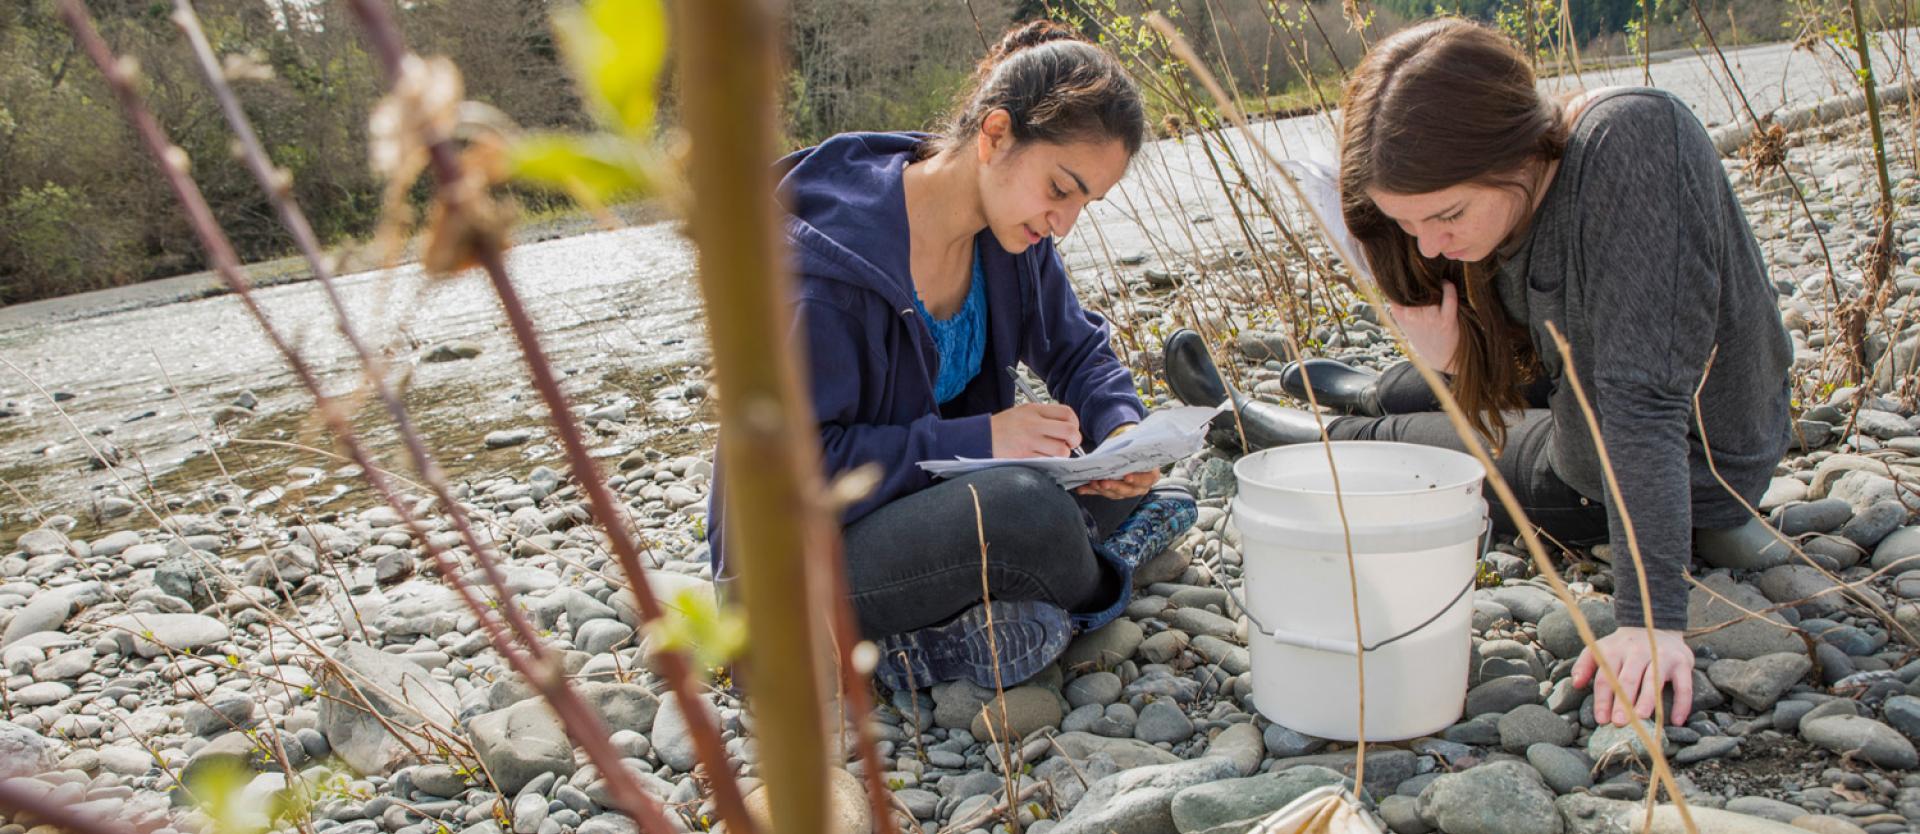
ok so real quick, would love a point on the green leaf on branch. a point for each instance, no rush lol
(593, 169)
(695, 624)
(616, 49)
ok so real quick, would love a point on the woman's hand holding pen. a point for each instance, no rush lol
(1035, 430)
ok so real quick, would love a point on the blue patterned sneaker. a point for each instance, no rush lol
(1153, 526)
(1029, 635)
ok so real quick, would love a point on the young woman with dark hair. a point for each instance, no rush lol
(926, 267)
(1487, 211)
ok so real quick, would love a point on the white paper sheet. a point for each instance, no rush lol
(1320, 183)
(1167, 435)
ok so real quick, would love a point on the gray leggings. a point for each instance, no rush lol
(916, 561)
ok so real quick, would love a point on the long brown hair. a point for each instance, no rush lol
(1434, 106)
(1056, 85)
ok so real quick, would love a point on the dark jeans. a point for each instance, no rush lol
(916, 561)
(1414, 416)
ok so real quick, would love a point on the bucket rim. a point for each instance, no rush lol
(1242, 467)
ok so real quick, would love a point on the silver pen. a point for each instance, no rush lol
(1032, 397)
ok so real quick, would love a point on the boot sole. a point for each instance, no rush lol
(1028, 634)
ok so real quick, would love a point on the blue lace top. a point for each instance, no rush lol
(961, 340)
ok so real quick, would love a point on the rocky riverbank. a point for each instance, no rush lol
(141, 658)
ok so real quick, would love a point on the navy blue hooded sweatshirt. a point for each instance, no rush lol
(871, 360)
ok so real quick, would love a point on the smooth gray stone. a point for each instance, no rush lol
(1558, 636)
(439, 780)
(223, 711)
(42, 542)
(152, 635)
(1787, 715)
(1234, 660)
(1210, 806)
(47, 611)
(1563, 769)
(1096, 688)
(24, 752)
(1386, 767)
(1711, 747)
(1502, 694)
(1450, 752)
(1402, 815)
(1872, 525)
(1527, 602)
(1835, 665)
(1487, 613)
(1760, 682)
(672, 737)
(1105, 647)
(1198, 621)
(1589, 814)
(1833, 552)
(1481, 731)
(957, 702)
(1240, 744)
(1901, 544)
(230, 751)
(1823, 516)
(400, 691)
(1127, 753)
(521, 743)
(1745, 640)
(1531, 724)
(1826, 709)
(1283, 743)
(1882, 425)
(1163, 722)
(1760, 806)
(1902, 712)
(1874, 742)
(1028, 710)
(1780, 492)
(1081, 718)
(622, 706)
(602, 635)
(1140, 801)
(1164, 647)
(1505, 797)
(1610, 744)
(1789, 583)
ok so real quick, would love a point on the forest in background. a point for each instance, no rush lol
(80, 208)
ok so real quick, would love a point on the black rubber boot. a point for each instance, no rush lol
(1190, 371)
(1267, 425)
(1194, 379)
(1335, 385)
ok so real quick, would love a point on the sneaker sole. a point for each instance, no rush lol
(1028, 634)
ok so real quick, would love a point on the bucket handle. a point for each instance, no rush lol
(1342, 646)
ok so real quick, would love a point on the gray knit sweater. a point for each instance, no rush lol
(1640, 255)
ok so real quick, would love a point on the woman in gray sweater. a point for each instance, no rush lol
(1487, 211)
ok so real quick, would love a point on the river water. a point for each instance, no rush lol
(619, 309)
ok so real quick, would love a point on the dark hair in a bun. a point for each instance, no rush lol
(1057, 87)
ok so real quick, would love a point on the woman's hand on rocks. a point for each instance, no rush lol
(1433, 330)
(1035, 430)
(1629, 651)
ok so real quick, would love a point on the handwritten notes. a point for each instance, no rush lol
(1165, 436)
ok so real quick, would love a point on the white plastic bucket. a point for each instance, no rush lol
(1416, 515)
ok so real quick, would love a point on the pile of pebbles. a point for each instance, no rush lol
(136, 660)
